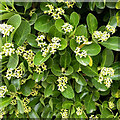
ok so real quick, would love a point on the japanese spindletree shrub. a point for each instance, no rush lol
(60, 60)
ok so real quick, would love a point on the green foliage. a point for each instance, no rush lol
(60, 60)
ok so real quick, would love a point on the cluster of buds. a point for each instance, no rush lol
(110, 29)
(105, 75)
(103, 36)
(6, 29)
(79, 52)
(55, 13)
(92, 117)
(79, 111)
(27, 108)
(82, 39)
(51, 47)
(62, 83)
(20, 50)
(67, 28)
(40, 68)
(3, 90)
(14, 102)
(70, 3)
(35, 90)
(18, 73)
(64, 113)
(29, 56)
(8, 49)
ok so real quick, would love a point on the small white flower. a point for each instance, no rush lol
(110, 28)
(3, 90)
(67, 28)
(79, 111)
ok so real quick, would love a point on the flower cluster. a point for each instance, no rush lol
(29, 56)
(51, 47)
(103, 36)
(14, 102)
(67, 28)
(82, 39)
(55, 13)
(79, 52)
(40, 68)
(79, 111)
(70, 4)
(105, 75)
(6, 29)
(64, 113)
(3, 90)
(27, 108)
(110, 29)
(20, 50)
(92, 117)
(8, 49)
(18, 73)
(35, 90)
(62, 83)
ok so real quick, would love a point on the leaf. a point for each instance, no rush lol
(99, 86)
(68, 93)
(79, 79)
(16, 83)
(22, 32)
(51, 78)
(81, 30)
(89, 104)
(53, 32)
(113, 21)
(67, 104)
(68, 71)
(91, 61)
(6, 16)
(33, 19)
(107, 58)
(89, 71)
(118, 104)
(84, 61)
(63, 44)
(112, 43)
(74, 19)
(12, 65)
(48, 90)
(58, 24)
(26, 89)
(37, 77)
(73, 44)
(65, 60)
(43, 23)
(51, 103)
(105, 113)
(118, 18)
(20, 106)
(117, 5)
(4, 102)
(39, 59)
(92, 49)
(92, 23)
(31, 40)
(33, 114)
(27, 5)
(78, 88)
(100, 4)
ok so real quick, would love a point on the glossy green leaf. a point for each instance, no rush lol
(65, 59)
(112, 43)
(33, 114)
(43, 23)
(92, 23)
(4, 102)
(107, 58)
(63, 44)
(39, 59)
(33, 19)
(59, 23)
(37, 77)
(92, 49)
(21, 33)
(81, 30)
(48, 91)
(6, 15)
(84, 61)
(79, 79)
(68, 93)
(89, 104)
(31, 40)
(74, 19)
(12, 65)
